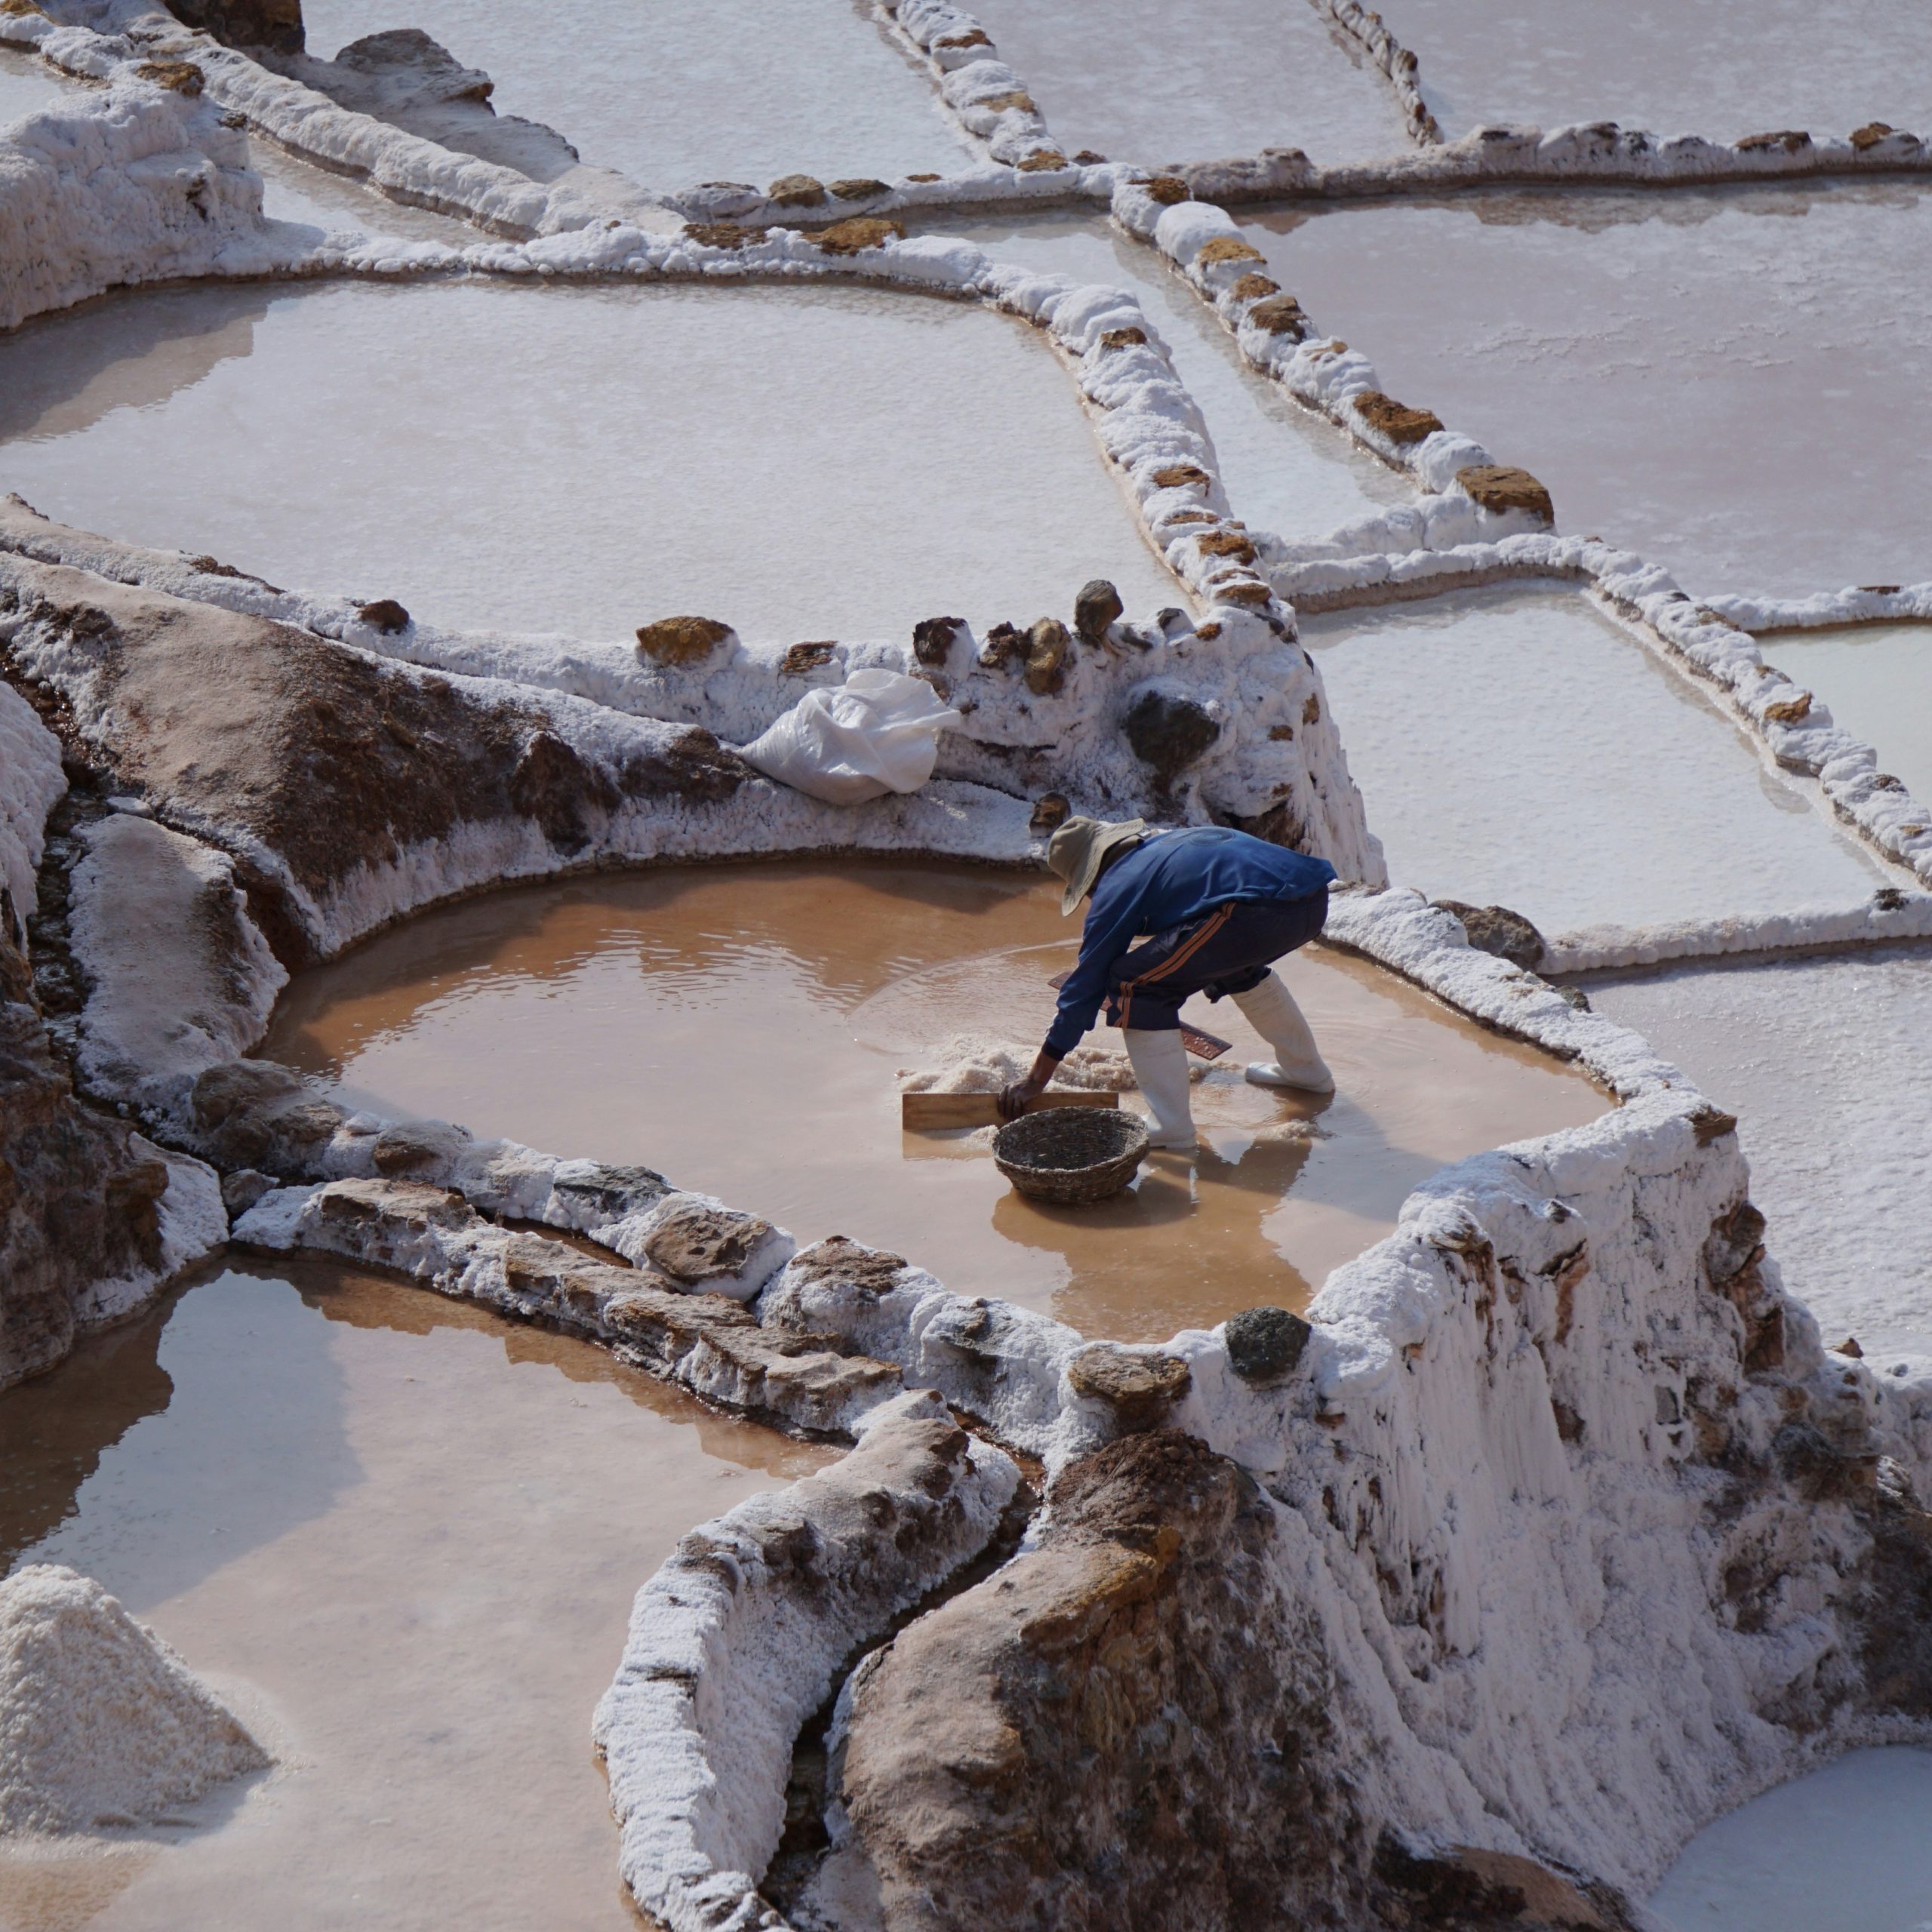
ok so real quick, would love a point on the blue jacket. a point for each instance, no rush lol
(1170, 880)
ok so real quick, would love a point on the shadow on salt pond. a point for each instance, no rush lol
(742, 1028)
(400, 1538)
(1846, 1849)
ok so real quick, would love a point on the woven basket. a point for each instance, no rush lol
(1072, 1155)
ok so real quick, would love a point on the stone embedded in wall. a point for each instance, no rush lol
(681, 640)
(1168, 731)
(1498, 487)
(1396, 420)
(1095, 610)
(934, 638)
(796, 191)
(1047, 644)
(860, 232)
(1497, 930)
(1264, 1344)
(387, 614)
(1138, 1387)
(275, 24)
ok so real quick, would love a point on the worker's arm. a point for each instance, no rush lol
(1111, 923)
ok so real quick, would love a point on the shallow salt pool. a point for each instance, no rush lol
(1519, 748)
(1732, 382)
(803, 463)
(678, 91)
(1285, 469)
(293, 190)
(1826, 1061)
(401, 1539)
(1719, 68)
(742, 1028)
(1845, 1849)
(28, 84)
(1140, 81)
(1877, 678)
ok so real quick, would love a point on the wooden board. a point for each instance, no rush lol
(927, 1113)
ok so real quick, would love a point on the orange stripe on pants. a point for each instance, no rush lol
(1179, 958)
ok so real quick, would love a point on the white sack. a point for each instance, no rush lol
(876, 732)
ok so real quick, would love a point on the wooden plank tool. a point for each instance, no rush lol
(931, 1113)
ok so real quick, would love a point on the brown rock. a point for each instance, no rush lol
(857, 188)
(1311, 710)
(681, 640)
(861, 233)
(958, 42)
(1096, 610)
(1180, 476)
(1279, 314)
(696, 1243)
(1226, 543)
(1088, 157)
(802, 658)
(1139, 1388)
(412, 1147)
(1396, 420)
(1047, 644)
(1050, 810)
(1791, 140)
(999, 103)
(796, 191)
(1226, 248)
(1871, 134)
(1496, 486)
(934, 638)
(1168, 189)
(1497, 930)
(1128, 338)
(387, 614)
(1849, 1346)
(179, 76)
(925, 177)
(19, 10)
(838, 1261)
(1006, 645)
(1791, 710)
(274, 24)
(1252, 287)
(724, 233)
(1043, 161)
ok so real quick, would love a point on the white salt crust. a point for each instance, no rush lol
(102, 1727)
(726, 1658)
(1862, 604)
(31, 780)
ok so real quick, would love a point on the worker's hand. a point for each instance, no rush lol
(1014, 1100)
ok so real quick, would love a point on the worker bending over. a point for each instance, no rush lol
(1213, 909)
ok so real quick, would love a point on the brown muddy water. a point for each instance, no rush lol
(742, 1028)
(401, 1539)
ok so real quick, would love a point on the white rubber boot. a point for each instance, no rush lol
(1272, 1013)
(1160, 1065)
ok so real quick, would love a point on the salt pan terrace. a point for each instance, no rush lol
(874, 460)
(1613, 792)
(743, 1027)
(1727, 381)
(821, 90)
(1878, 680)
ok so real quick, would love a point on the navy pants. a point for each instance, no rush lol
(1228, 950)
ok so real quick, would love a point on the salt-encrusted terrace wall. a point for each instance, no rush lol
(1862, 604)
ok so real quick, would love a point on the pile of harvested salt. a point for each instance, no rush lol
(101, 1725)
(970, 1064)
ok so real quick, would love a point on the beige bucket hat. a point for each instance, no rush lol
(1077, 849)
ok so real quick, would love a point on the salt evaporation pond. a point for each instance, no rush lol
(802, 463)
(1138, 81)
(1845, 1848)
(1285, 469)
(1731, 382)
(28, 84)
(1876, 679)
(1826, 1061)
(401, 1539)
(680, 91)
(742, 1030)
(293, 190)
(1720, 68)
(1519, 748)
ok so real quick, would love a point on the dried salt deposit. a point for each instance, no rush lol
(102, 1727)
